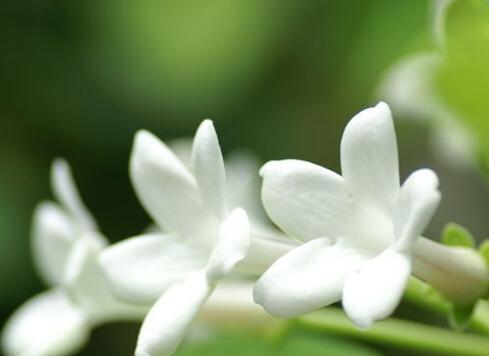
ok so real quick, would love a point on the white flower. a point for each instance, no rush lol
(203, 238)
(359, 230)
(66, 243)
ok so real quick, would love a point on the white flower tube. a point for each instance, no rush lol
(360, 231)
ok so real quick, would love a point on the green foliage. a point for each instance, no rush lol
(457, 236)
(238, 344)
(459, 317)
(463, 78)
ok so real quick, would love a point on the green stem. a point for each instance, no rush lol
(395, 332)
(423, 295)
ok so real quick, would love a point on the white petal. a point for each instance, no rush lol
(52, 238)
(369, 160)
(307, 278)
(168, 320)
(165, 187)
(374, 292)
(417, 203)
(46, 325)
(140, 269)
(88, 287)
(208, 167)
(305, 200)
(232, 245)
(65, 191)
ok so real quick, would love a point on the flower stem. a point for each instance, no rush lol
(395, 332)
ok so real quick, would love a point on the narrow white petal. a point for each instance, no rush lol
(417, 203)
(232, 245)
(47, 324)
(141, 268)
(208, 167)
(305, 200)
(307, 278)
(169, 319)
(374, 292)
(369, 160)
(64, 189)
(165, 187)
(53, 236)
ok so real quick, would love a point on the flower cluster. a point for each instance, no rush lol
(354, 237)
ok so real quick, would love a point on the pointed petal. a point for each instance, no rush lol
(64, 189)
(165, 187)
(141, 268)
(369, 160)
(168, 320)
(305, 200)
(307, 278)
(417, 203)
(47, 324)
(374, 292)
(52, 238)
(208, 167)
(232, 245)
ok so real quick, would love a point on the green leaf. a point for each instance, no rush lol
(459, 317)
(458, 236)
(241, 344)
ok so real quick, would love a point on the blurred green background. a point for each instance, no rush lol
(280, 77)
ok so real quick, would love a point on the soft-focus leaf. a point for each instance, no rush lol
(458, 236)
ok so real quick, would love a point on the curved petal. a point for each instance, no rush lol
(141, 268)
(64, 189)
(369, 161)
(305, 200)
(417, 203)
(48, 324)
(52, 239)
(307, 278)
(208, 167)
(168, 320)
(374, 292)
(166, 188)
(232, 245)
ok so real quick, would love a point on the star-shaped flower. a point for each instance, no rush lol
(66, 243)
(202, 242)
(358, 230)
